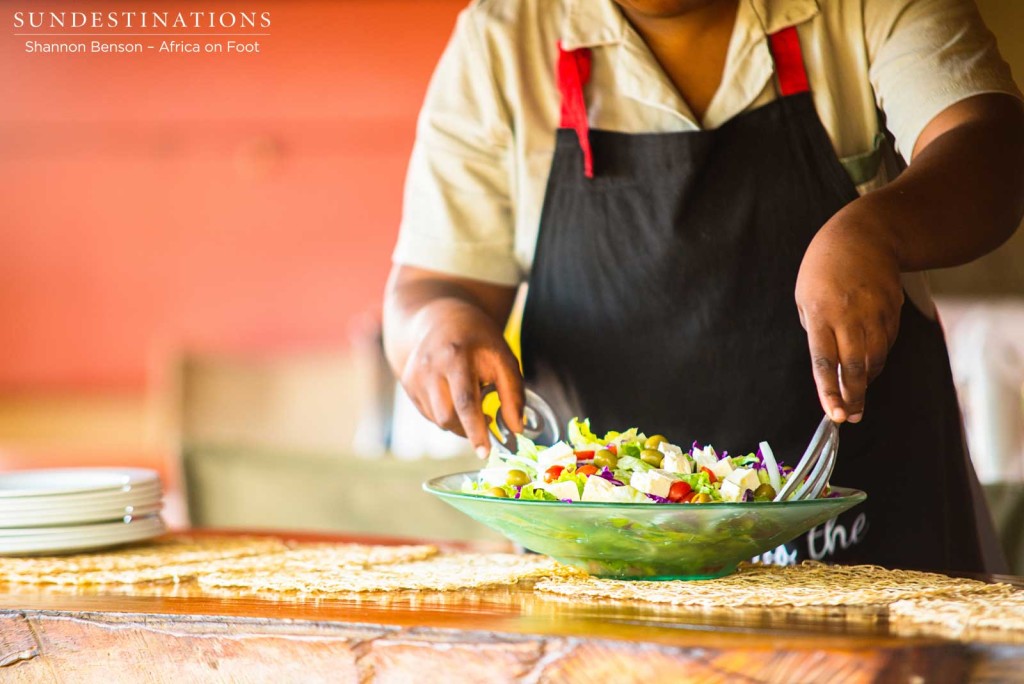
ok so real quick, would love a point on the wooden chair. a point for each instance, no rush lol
(267, 442)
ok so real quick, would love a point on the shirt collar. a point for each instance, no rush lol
(776, 15)
(589, 23)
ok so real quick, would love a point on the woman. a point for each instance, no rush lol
(666, 175)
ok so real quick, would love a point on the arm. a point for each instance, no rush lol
(443, 338)
(961, 197)
(456, 271)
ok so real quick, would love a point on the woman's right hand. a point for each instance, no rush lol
(445, 342)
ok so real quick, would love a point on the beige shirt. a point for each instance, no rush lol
(486, 133)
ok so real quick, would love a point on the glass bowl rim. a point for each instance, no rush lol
(432, 487)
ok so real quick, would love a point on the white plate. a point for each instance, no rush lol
(21, 483)
(138, 496)
(64, 516)
(121, 533)
(84, 530)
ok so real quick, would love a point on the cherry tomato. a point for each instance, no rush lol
(587, 470)
(584, 455)
(688, 498)
(678, 490)
(711, 475)
(553, 473)
(614, 449)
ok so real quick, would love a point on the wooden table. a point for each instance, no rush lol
(181, 634)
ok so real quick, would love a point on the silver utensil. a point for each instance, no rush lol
(815, 467)
(539, 422)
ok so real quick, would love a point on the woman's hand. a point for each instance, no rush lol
(461, 350)
(444, 340)
(849, 296)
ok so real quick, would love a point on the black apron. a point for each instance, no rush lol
(661, 296)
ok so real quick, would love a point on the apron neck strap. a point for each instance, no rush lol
(789, 61)
(573, 74)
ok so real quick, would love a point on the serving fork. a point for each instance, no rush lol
(811, 474)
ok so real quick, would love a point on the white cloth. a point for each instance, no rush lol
(413, 437)
(485, 137)
(986, 348)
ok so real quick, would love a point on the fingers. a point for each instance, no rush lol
(825, 365)
(509, 381)
(453, 401)
(845, 361)
(441, 409)
(877, 344)
(853, 370)
(465, 394)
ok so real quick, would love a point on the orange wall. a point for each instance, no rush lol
(243, 201)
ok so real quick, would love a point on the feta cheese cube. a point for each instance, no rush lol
(564, 490)
(739, 481)
(560, 454)
(495, 477)
(599, 489)
(656, 482)
(722, 468)
(675, 460)
(667, 448)
(706, 457)
(749, 479)
(627, 494)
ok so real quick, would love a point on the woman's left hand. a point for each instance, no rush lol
(849, 296)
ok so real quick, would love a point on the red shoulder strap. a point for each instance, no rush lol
(573, 74)
(789, 61)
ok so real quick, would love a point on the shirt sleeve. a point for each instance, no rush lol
(926, 55)
(457, 214)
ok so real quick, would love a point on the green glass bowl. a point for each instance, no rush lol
(645, 541)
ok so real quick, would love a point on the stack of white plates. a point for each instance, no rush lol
(76, 509)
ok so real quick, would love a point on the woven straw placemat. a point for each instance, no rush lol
(444, 572)
(762, 586)
(925, 602)
(958, 614)
(168, 559)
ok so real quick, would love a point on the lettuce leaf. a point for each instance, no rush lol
(580, 435)
(630, 435)
(580, 480)
(632, 464)
(531, 493)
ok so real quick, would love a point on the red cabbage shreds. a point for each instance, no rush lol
(658, 499)
(748, 495)
(566, 500)
(694, 446)
(606, 473)
(723, 455)
(519, 490)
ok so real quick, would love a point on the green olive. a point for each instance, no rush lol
(605, 459)
(517, 478)
(701, 498)
(498, 492)
(652, 457)
(764, 492)
(653, 441)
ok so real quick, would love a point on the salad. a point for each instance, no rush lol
(628, 467)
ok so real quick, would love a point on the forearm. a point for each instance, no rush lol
(962, 196)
